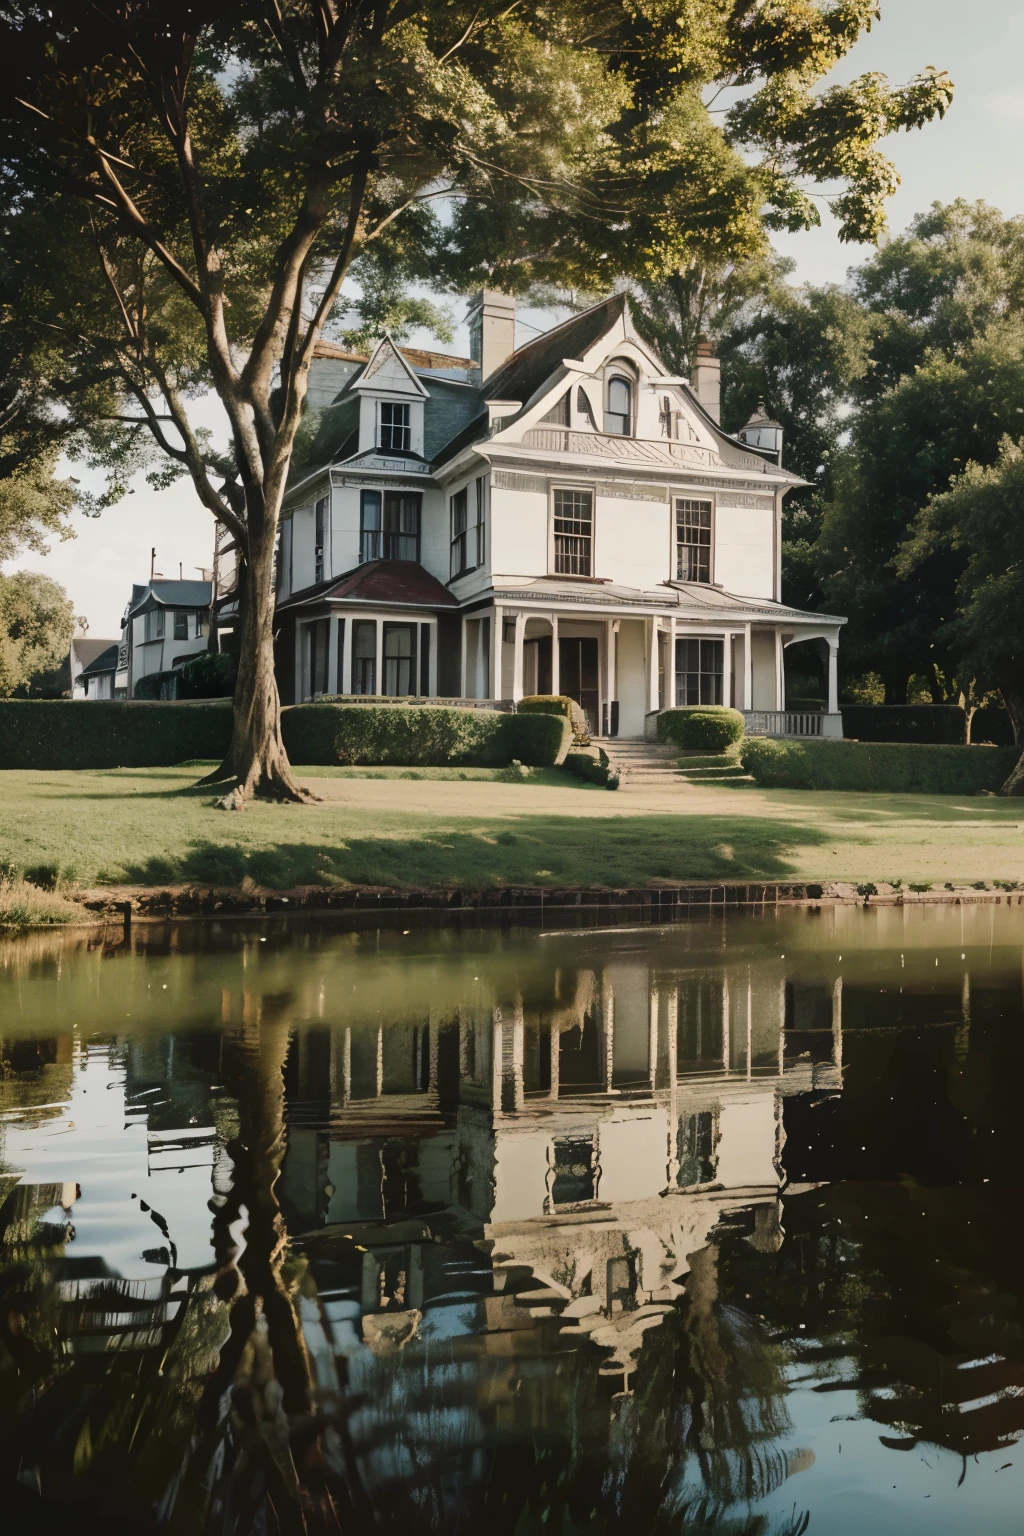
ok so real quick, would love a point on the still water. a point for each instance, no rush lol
(710, 1228)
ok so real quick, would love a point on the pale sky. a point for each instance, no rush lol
(974, 153)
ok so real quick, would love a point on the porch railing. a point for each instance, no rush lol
(782, 722)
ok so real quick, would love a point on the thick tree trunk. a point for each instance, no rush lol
(1013, 698)
(256, 758)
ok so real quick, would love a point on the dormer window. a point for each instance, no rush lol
(395, 427)
(618, 414)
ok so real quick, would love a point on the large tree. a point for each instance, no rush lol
(979, 520)
(944, 382)
(222, 165)
(37, 620)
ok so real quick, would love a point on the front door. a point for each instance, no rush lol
(578, 676)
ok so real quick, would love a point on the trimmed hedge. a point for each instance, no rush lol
(939, 724)
(422, 737)
(209, 676)
(592, 770)
(908, 768)
(701, 727)
(558, 704)
(110, 733)
(61, 733)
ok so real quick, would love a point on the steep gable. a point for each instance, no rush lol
(388, 373)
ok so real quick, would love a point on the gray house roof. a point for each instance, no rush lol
(169, 594)
(106, 661)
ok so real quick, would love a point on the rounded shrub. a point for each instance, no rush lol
(701, 727)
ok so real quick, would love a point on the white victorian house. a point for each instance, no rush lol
(561, 518)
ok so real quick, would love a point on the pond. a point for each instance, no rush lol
(713, 1227)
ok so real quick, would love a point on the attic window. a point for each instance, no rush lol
(558, 415)
(395, 427)
(618, 415)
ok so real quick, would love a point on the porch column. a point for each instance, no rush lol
(670, 666)
(497, 642)
(380, 656)
(780, 672)
(833, 676)
(748, 671)
(556, 679)
(727, 660)
(652, 669)
(463, 658)
(332, 655)
(654, 1002)
(481, 662)
(345, 680)
(517, 657)
(301, 642)
(672, 1160)
(611, 629)
(432, 664)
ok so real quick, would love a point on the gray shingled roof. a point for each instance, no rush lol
(172, 594)
(106, 661)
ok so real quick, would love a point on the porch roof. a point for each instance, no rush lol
(684, 600)
(396, 583)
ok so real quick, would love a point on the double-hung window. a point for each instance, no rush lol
(574, 533)
(181, 626)
(467, 515)
(389, 525)
(155, 624)
(699, 671)
(395, 427)
(618, 413)
(460, 531)
(319, 537)
(693, 540)
(364, 656)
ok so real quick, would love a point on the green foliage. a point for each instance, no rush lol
(701, 727)
(939, 724)
(592, 770)
(421, 735)
(209, 676)
(889, 767)
(110, 733)
(37, 621)
(979, 519)
(558, 704)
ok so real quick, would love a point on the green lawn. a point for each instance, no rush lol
(472, 827)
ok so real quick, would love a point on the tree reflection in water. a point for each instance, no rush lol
(512, 1260)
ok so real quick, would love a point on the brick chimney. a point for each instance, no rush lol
(707, 378)
(492, 330)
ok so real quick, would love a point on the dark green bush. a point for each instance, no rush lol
(422, 737)
(110, 733)
(157, 685)
(939, 724)
(60, 733)
(701, 727)
(889, 767)
(209, 676)
(558, 704)
(591, 770)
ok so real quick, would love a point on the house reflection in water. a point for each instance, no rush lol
(578, 1146)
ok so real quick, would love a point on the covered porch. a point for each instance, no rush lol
(624, 667)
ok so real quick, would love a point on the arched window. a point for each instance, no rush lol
(618, 414)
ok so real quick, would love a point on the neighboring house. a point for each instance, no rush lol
(165, 623)
(80, 659)
(561, 518)
(96, 680)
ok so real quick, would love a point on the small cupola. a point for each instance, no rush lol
(762, 432)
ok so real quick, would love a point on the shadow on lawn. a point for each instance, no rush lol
(529, 850)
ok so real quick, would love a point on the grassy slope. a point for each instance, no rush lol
(151, 826)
